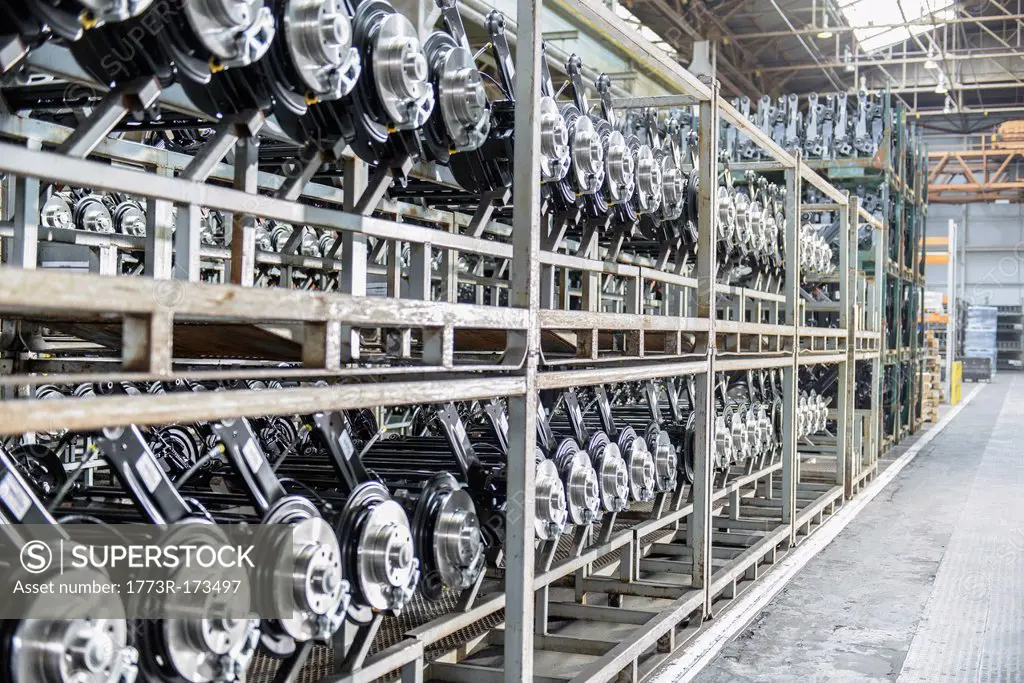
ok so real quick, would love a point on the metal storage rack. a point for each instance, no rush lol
(1010, 338)
(900, 170)
(735, 526)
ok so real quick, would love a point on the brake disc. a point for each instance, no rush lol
(551, 505)
(582, 490)
(648, 194)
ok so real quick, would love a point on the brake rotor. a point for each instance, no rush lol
(612, 473)
(582, 490)
(688, 461)
(90, 641)
(203, 642)
(42, 467)
(744, 239)
(665, 457)
(726, 223)
(318, 37)
(672, 186)
(554, 142)
(639, 463)
(460, 95)
(308, 580)
(401, 73)
(382, 563)
(90, 214)
(129, 218)
(448, 536)
(647, 197)
(56, 213)
(723, 444)
(755, 429)
(586, 152)
(79, 649)
(758, 233)
(620, 176)
(551, 506)
(235, 33)
(740, 438)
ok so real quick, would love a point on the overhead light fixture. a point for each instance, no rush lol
(823, 30)
(824, 33)
(940, 87)
(930, 63)
(849, 66)
(948, 106)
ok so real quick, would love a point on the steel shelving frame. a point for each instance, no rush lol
(905, 205)
(735, 525)
(1010, 338)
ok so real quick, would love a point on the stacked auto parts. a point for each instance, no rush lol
(833, 126)
(332, 323)
(77, 647)
(747, 421)
(613, 473)
(751, 232)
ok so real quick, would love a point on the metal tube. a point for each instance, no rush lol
(699, 528)
(525, 294)
(951, 308)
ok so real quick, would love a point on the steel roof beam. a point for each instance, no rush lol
(848, 29)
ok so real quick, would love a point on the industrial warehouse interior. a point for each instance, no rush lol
(507, 341)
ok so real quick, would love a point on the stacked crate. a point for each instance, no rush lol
(931, 378)
(980, 343)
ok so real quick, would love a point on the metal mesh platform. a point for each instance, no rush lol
(852, 614)
(392, 630)
(420, 612)
(972, 627)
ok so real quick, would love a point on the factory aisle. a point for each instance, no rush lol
(924, 585)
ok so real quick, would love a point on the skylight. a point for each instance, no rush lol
(864, 15)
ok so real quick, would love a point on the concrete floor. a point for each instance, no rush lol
(926, 584)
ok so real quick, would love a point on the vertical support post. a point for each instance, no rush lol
(147, 343)
(436, 341)
(881, 254)
(790, 376)
(394, 260)
(450, 270)
(401, 337)
(848, 222)
(352, 279)
(524, 293)
(25, 245)
(187, 242)
(591, 290)
(703, 488)
(412, 672)
(321, 345)
(108, 260)
(951, 309)
(564, 297)
(243, 226)
(158, 234)
(635, 342)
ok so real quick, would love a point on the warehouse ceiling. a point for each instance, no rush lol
(957, 65)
